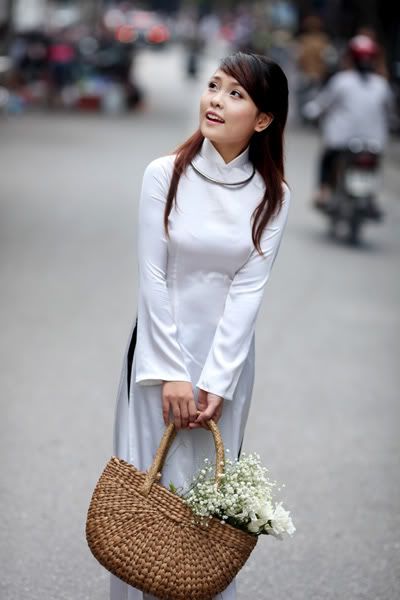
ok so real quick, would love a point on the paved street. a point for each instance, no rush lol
(325, 412)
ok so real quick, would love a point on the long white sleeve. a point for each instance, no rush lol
(159, 355)
(323, 101)
(234, 333)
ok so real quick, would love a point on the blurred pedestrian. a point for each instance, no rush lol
(194, 45)
(29, 54)
(211, 219)
(312, 47)
(313, 54)
(62, 65)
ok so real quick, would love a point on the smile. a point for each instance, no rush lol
(214, 118)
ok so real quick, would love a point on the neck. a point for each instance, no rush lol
(229, 152)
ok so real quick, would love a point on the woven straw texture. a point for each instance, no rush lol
(146, 535)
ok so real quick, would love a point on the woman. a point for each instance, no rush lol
(203, 266)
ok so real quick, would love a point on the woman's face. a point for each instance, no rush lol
(235, 116)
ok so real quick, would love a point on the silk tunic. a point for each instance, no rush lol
(199, 294)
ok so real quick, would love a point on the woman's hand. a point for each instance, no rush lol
(178, 396)
(210, 407)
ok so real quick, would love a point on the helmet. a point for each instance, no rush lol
(363, 47)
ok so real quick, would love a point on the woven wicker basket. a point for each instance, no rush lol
(146, 535)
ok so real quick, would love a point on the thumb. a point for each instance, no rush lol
(206, 414)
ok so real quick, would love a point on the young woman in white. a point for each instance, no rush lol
(211, 219)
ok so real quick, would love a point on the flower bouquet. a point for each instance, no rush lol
(242, 498)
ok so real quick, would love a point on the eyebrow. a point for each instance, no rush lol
(234, 82)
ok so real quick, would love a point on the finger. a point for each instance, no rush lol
(177, 415)
(216, 417)
(206, 415)
(184, 415)
(192, 410)
(202, 400)
(198, 425)
(218, 413)
(193, 422)
(165, 411)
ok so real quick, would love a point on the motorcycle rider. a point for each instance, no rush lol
(354, 104)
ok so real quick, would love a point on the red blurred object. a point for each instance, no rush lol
(125, 34)
(362, 46)
(367, 160)
(158, 34)
(61, 52)
(149, 27)
(89, 102)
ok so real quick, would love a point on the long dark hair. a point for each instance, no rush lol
(266, 84)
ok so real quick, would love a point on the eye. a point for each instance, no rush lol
(239, 95)
(212, 85)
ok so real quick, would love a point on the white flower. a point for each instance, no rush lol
(265, 512)
(281, 521)
(243, 496)
(255, 525)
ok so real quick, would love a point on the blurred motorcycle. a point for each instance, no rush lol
(353, 110)
(353, 200)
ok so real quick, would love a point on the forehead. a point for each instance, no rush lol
(221, 76)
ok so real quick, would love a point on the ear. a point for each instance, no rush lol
(262, 121)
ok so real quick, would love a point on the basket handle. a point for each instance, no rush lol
(154, 472)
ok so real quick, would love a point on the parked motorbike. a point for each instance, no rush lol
(354, 197)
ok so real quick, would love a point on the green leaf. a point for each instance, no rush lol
(172, 487)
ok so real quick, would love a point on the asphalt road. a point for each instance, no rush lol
(325, 411)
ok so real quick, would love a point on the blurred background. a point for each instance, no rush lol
(90, 93)
(82, 55)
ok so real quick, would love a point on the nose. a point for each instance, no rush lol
(216, 99)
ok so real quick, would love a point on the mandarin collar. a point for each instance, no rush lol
(210, 153)
(209, 161)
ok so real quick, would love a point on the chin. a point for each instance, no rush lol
(210, 134)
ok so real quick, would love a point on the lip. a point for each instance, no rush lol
(211, 112)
